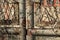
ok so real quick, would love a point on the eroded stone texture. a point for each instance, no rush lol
(45, 16)
(9, 11)
(46, 38)
(28, 13)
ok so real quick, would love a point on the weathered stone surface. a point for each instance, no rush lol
(45, 16)
(29, 13)
(45, 31)
(46, 38)
(36, 0)
(29, 37)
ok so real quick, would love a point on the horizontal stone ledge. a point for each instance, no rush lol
(10, 34)
(36, 0)
(10, 26)
(44, 31)
(46, 35)
(51, 26)
(10, 31)
(11, 2)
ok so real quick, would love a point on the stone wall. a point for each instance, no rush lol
(36, 22)
(46, 22)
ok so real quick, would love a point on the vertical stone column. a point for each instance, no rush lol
(22, 19)
(57, 13)
(29, 14)
(29, 18)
